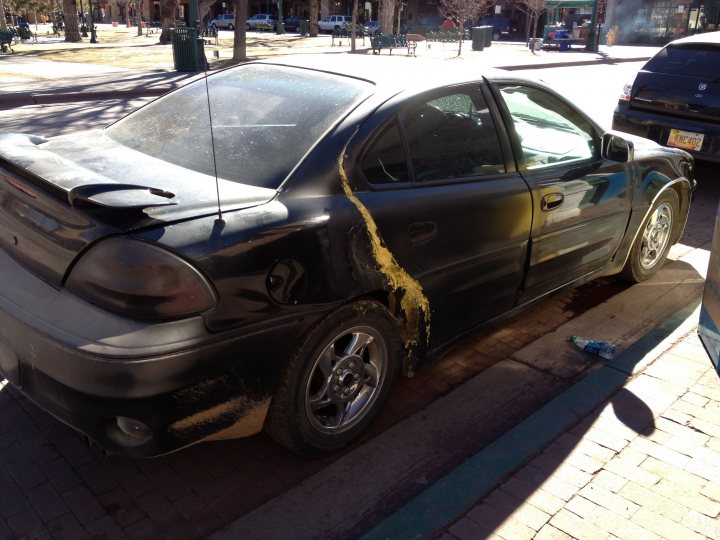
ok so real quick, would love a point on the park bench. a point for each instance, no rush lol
(346, 32)
(444, 36)
(6, 40)
(390, 42)
(24, 33)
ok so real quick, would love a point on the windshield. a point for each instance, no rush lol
(265, 119)
(692, 60)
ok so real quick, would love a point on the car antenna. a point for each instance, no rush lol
(220, 219)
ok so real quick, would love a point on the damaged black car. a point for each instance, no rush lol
(272, 246)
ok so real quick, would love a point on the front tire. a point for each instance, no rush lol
(337, 380)
(231, 27)
(653, 239)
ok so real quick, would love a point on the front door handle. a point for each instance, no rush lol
(422, 231)
(551, 201)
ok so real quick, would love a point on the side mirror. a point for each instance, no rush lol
(616, 148)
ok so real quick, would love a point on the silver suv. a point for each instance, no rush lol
(261, 21)
(334, 22)
(224, 21)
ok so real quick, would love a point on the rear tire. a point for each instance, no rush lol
(231, 27)
(654, 239)
(337, 380)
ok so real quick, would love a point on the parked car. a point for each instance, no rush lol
(503, 28)
(424, 25)
(224, 21)
(675, 97)
(292, 23)
(261, 21)
(371, 27)
(334, 22)
(158, 292)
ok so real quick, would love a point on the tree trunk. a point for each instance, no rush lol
(387, 10)
(3, 24)
(167, 14)
(354, 26)
(313, 18)
(399, 12)
(72, 30)
(240, 39)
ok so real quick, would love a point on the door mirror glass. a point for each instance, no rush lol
(617, 148)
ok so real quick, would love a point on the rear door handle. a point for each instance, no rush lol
(551, 201)
(422, 231)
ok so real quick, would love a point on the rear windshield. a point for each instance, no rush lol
(264, 120)
(692, 60)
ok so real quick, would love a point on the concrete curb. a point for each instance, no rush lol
(455, 493)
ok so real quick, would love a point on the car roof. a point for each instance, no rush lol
(388, 75)
(707, 37)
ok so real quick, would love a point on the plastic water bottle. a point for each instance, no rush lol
(598, 348)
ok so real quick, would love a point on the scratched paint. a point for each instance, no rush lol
(414, 304)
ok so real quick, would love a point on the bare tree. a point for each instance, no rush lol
(533, 9)
(70, 13)
(354, 25)
(240, 38)
(462, 11)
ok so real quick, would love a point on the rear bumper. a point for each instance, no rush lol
(657, 127)
(89, 368)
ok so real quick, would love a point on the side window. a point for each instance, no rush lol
(385, 162)
(452, 136)
(549, 131)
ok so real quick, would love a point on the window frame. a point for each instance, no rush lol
(514, 138)
(480, 89)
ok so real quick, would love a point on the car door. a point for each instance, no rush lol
(581, 203)
(450, 207)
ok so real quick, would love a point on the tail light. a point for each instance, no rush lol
(140, 280)
(626, 91)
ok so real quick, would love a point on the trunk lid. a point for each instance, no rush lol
(58, 196)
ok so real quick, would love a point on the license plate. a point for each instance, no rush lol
(685, 139)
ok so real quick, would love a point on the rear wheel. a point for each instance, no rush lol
(496, 36)
(337, 381)
(653, 239)
(231, 27)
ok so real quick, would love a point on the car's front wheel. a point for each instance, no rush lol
(247, 27)
(214, 27)
(653, 239)
(496, 36)
(337, 380)
(231, 27)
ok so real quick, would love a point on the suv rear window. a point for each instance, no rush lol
(692, 60)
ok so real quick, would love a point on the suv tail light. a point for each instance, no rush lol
(140, 280)
(626, 91)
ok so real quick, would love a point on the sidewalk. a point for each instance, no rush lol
(110, 70)
(631, 451)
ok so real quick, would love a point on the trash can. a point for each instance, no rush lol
(304, 28)
(280, 28)
(478, 38)
(535, 44)
(488, 35)
(188, 49)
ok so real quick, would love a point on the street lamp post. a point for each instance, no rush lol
(93, 35)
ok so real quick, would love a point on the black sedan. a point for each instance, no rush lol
(675, 98)
(270, 250)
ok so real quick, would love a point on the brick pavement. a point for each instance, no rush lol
(646, 464)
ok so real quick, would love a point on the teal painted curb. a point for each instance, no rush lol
(451, 496)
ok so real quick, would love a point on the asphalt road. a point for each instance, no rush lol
(51, 483)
